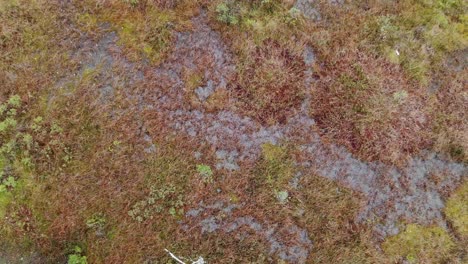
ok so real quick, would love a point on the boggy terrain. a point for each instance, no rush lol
(237, 131)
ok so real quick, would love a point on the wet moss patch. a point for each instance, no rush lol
(456, 210)
(419, 244)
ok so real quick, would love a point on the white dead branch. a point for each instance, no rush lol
(200, 260)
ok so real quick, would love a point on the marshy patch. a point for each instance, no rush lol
(238, 131)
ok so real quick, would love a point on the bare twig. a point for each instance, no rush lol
(200, 260)
(174, 257)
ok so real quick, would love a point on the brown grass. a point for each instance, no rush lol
(270, 85)
(359, 105)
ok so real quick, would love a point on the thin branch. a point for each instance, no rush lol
(200, 260)
(174, 257)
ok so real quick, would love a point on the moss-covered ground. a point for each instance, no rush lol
(91, 171)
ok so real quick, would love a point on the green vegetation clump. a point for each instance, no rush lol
(97, 221)
(419, 244)
(275, 169)
(150, 41)
(145, 32)
(419, 36)
(205, 172)
(159, 201)
(5, 199)
(226, 13)
(456, 209)
(10, 149)
(77, 257)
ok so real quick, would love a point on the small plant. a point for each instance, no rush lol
(77, 257)
(10, 182)
(96, 221)
(159, 201)
(15, 101)
(205, 172)
(293, 16)
(37, 124)
(132, 2)
(115, 145)
(282, 196)
(55, 129)
(226, 14)
(28, 140)
(400, 96)
(7, 124)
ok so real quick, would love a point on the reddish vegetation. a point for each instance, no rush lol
(355, 105)
(129, 127)
(270, 85)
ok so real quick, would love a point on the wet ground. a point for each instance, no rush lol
(414, 193)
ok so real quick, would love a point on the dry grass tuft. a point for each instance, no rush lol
(368, 106)
(270, 84)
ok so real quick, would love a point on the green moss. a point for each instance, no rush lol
(147, 35)
(419, 244)
(456, 209)
(77, 257)
(421, 34)
(226, 13)
(276, 167)
(2, 163)
(193, 80)
(7, 4)
(5, 200)
(260, 19)
(357, 82)
(88, 22)
(205, 172)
